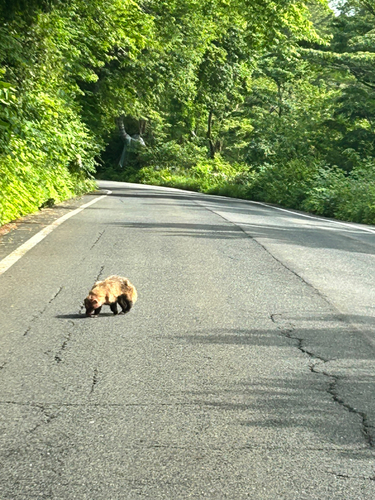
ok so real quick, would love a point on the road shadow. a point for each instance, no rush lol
(331, 401)
(309, 237)
(266, 223)
(177, 229)
(82, 316)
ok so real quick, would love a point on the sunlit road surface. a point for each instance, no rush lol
(245, 370)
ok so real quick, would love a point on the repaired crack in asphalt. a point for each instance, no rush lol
(287, 332)
(59, 354)
(97, 239)
(100, 273)
(3, 365)
(366, 427)
(42, 311)
(94, 380)
(347, 476)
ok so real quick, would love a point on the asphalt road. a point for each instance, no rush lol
(245, 370)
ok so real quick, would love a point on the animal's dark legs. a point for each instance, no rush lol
(113, 307)
(125, 304)
(97, 311)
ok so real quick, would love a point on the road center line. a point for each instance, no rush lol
(13, 257)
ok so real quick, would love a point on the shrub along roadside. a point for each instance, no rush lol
(46, 152)
(25, 191)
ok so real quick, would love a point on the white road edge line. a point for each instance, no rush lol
(13, 257)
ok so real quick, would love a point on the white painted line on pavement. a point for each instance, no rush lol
(13, 257)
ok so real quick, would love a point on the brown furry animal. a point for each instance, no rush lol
(111, 291)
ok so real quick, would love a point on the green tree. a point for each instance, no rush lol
(348, 63)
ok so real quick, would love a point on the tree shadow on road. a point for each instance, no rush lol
(266, 222)
(331, 398)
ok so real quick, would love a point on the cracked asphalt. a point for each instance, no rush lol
(244, 370)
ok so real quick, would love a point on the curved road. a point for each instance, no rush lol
(245, 370)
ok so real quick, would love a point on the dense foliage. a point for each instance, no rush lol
(262, 99)
(56, 107)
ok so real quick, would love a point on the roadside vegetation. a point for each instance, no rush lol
(265, 100)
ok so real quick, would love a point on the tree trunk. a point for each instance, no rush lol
(209, 135)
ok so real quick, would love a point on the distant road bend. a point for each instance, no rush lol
(245, 370)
